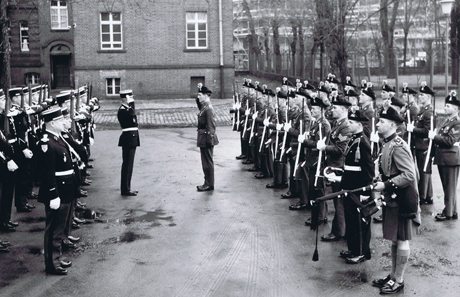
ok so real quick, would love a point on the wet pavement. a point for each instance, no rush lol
(240, 240)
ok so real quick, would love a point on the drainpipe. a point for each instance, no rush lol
(221, 52)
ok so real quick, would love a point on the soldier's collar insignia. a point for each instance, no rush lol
(45, 138)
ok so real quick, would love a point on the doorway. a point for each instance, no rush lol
(61, 71)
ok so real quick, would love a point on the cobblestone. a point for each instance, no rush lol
(162, 113)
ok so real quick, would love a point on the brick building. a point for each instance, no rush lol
(160, 49)
(41, 42)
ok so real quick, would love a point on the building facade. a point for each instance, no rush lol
(41, 40)
(159, 49)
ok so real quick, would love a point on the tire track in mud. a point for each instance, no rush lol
(226, 266)
(198, 271)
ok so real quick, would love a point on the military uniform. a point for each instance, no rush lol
(420, 143)
(206, 140)
(129, 141)
(335, 157)
(447, 157)
(401, 195)
(57, 180)
(358, 172)
(310, 165)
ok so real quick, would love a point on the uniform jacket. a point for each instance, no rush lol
(128, 119)
(358, 164)
(447, 143)
(206, 136)
(422, 126)
(54, 159)
(398, 174)
(336, 143)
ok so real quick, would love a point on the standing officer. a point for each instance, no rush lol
(57, 187)
(334, 148)
(447, 156)
(206, 138)
(129, 140)
(420, 143)
(358, 172)
(400, 193)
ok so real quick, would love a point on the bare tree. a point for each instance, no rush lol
(387, 27)
(411, 9)
(253, 40)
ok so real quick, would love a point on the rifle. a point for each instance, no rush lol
(247, 116)
(234, 102)
(320, 156)
(299, 145)
(430, 144)
(253, 120)
(283, 148)
(263, 134)
(277, 122)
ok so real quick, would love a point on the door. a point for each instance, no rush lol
(61, 71)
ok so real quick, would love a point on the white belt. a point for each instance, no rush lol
(12, 140)
(64, 173)
(352, 168)
(130, 129)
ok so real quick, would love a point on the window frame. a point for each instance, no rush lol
(113, 85)
(59, 9)
(111, 23)
(24, 26)
(33, 76)
(196, 22)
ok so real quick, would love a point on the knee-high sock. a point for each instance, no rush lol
(394, 255)
(401, 264)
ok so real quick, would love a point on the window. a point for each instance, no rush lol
(32, 78)
(59, 15)
(197, 30)
(24, 36)
(112, 86)
(111, 34)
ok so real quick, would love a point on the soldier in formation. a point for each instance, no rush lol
(45, 154)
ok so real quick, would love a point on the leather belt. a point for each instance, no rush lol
(130, 129)
(64, 173)
(351, 168)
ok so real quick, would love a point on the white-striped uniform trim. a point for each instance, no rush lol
(352, 168)
(64, 173)
(130, 129)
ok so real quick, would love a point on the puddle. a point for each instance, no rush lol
(155, 217)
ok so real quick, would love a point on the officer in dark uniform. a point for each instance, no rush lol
(311, 159)
(129, 140)
(206, 138)
(358, 172)
(399, 187)
(447, 156)
(366, 102)
(57, 187)
(420, 142)
(334, 148)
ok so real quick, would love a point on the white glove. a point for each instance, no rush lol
(278, 127)
(334, 178)
(431, 134)
(254, 116)
(234, 106)
(374, 137)
(238, 105)
(410, 127)
(266, 122)
(55, 203)
(287, 126)
(301, 138)
(91, 141)
(246, 112)
(12, 166)
(321, 144)
(27, 153)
